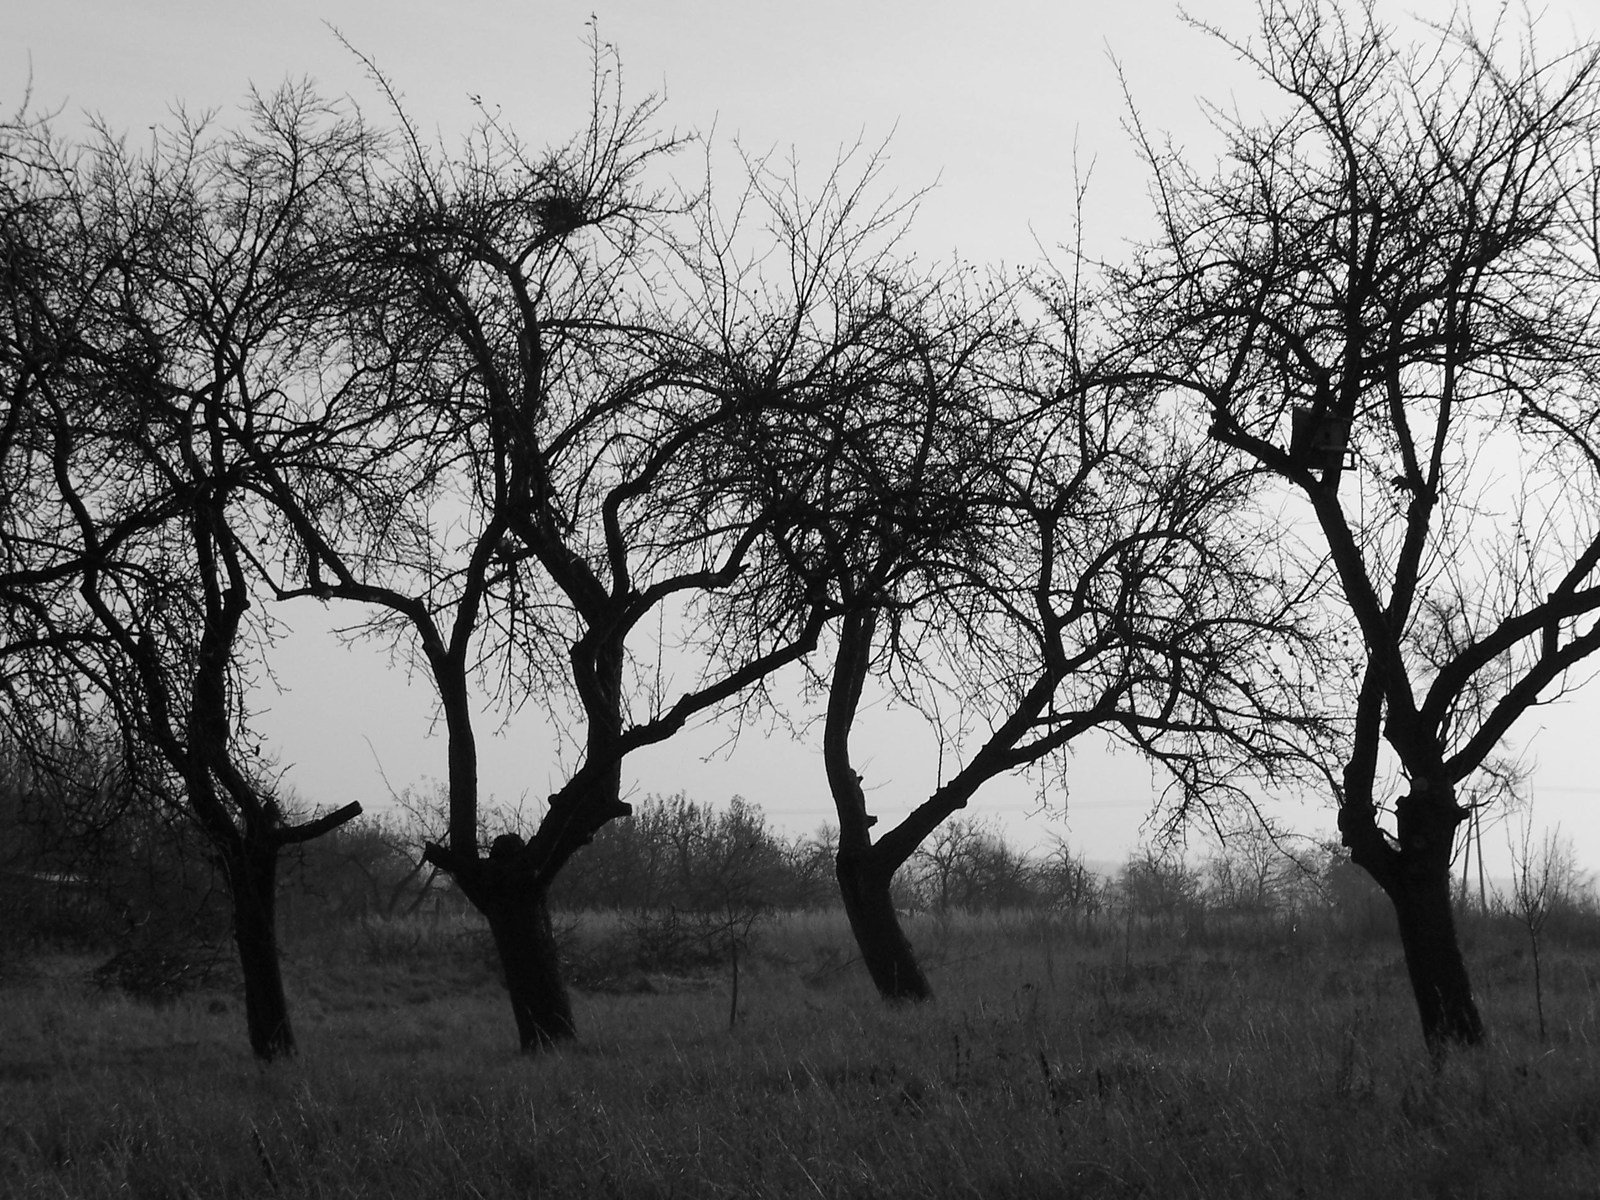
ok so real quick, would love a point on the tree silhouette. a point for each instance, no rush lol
(164, 307)
(1023, 545)
(1386, 298)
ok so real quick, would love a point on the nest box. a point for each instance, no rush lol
(1318, 440)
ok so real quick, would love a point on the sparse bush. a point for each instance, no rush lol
(87, 860)
(675, 941)
(159, 973)
(371, 867)
(674, 852)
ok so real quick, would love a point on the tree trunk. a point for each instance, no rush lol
(1413, 869)
(518, 911)
(525, 940)
(884, 947)
(1434, 961)
(253, 882)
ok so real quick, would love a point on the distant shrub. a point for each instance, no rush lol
(160, 974)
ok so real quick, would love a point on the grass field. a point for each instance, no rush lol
(1127, 1063)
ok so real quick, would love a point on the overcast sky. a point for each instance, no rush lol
(996, 104)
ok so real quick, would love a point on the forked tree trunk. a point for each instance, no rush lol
(884, 947)
(253, 881)
(525, 940)
(1434, 961)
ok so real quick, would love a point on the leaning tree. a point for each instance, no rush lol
(1386, 297)
(1018, 542)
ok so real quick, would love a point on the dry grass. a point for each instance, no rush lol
(1049, 1066)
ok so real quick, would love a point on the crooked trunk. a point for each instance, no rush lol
(252, 881)
(1434, 961)
(514, 904)
(525, 941)
(884, 947)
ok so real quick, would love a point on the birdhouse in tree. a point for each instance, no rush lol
(1317, 440)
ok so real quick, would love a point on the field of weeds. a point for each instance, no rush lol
(1058, 1060)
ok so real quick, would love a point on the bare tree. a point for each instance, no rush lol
(1386, 297)
(53, 329)
(946, 864)
(730, 871)
(1068, 882)
(811, 869)
(1254, 870)
(1157, 882)
(549, 349)
(181, 315)
(968, 864)
(1026, 548)
(1544, 878)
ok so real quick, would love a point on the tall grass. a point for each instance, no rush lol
(1056, 1061)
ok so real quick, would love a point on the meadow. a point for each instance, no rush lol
(1061, 1058)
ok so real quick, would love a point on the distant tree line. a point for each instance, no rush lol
(675, 854)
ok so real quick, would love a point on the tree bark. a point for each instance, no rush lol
(1434, 961)
(519, 920)
(884, 947)
(253, 881)
(1414, 871)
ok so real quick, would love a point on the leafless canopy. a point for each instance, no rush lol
(1388, 298)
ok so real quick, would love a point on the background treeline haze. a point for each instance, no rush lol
(83, 867)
